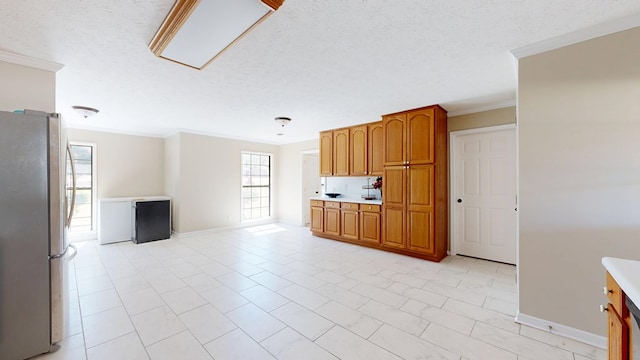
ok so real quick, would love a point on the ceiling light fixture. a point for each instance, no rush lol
(196, 32)
(282, 121)
(85, 110)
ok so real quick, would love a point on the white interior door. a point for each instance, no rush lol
(484, 196)
(310, 183)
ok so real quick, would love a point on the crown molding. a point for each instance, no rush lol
(29, 61)
(581, 35)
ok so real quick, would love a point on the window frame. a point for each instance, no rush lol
(242, 186)
(79, 235)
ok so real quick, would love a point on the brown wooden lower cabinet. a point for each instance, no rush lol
(350, 223)
(370, 224)
(317, 216)
(332, 221)
(618, 322)
(363, 224)
(393, 227)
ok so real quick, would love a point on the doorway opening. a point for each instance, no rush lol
(310, 182)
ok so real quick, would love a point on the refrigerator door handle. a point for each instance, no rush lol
(75, 252)
(61, 255)
(73, 187)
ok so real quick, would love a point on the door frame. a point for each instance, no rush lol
(453, 136)
(305, 201)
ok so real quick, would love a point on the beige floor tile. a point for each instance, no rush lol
(283, 287)
(237, 345)
(304, 321)
(127, 347)
(157, 324)
(180, 346)
(290, 345)
(206, 323)
(256, 322)
(347, 345)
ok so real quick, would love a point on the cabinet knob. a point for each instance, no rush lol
(603, 308)
(607, 291)
(459, 201)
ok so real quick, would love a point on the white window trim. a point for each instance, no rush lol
(93, 233)
(271, 185)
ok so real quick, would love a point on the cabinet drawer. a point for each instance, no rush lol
(317, 203)
(615, 295)
(349, 206)
(332, 204)
(370, 208)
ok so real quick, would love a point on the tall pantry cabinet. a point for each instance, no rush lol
(415, 182)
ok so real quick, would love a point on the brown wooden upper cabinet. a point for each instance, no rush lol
(358, 162)
(375, 147)
(409, 137)
(326, 153)
(353, 151)
(341, 152)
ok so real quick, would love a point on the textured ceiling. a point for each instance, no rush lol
(324, 63)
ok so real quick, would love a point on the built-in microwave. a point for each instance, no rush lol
(635, 329)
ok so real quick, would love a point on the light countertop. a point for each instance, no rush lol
(137, 198)
(627, 274)
(349, 199)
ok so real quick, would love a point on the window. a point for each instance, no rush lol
(256, 186)
(83, 214)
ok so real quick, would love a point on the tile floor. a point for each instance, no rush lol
(276, 292)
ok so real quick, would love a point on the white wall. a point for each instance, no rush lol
(481, 119)
(27, 88)
(172, 177)
(128, 165)
(210, 178)
(579, 131)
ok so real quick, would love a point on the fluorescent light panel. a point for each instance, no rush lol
(196, 32)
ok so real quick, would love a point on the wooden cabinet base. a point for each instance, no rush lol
(380, 247)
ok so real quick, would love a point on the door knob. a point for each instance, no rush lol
(603, 308)
(459, 201)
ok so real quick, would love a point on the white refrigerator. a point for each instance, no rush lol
(33, 217)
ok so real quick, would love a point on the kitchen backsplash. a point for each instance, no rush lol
(349, 186)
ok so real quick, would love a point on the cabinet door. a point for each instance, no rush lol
(370, 227)
(358, 164)
(341, 152)
(317, 216)
(394, 137)
(332, 221)
(420, 136)
(618, 336)
(326, 153)
(394, 186)
(394, 207)
(420, 209)
(375, 148)
(350, 224)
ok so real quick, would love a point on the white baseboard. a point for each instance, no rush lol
(562, 330)
(224, 228)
